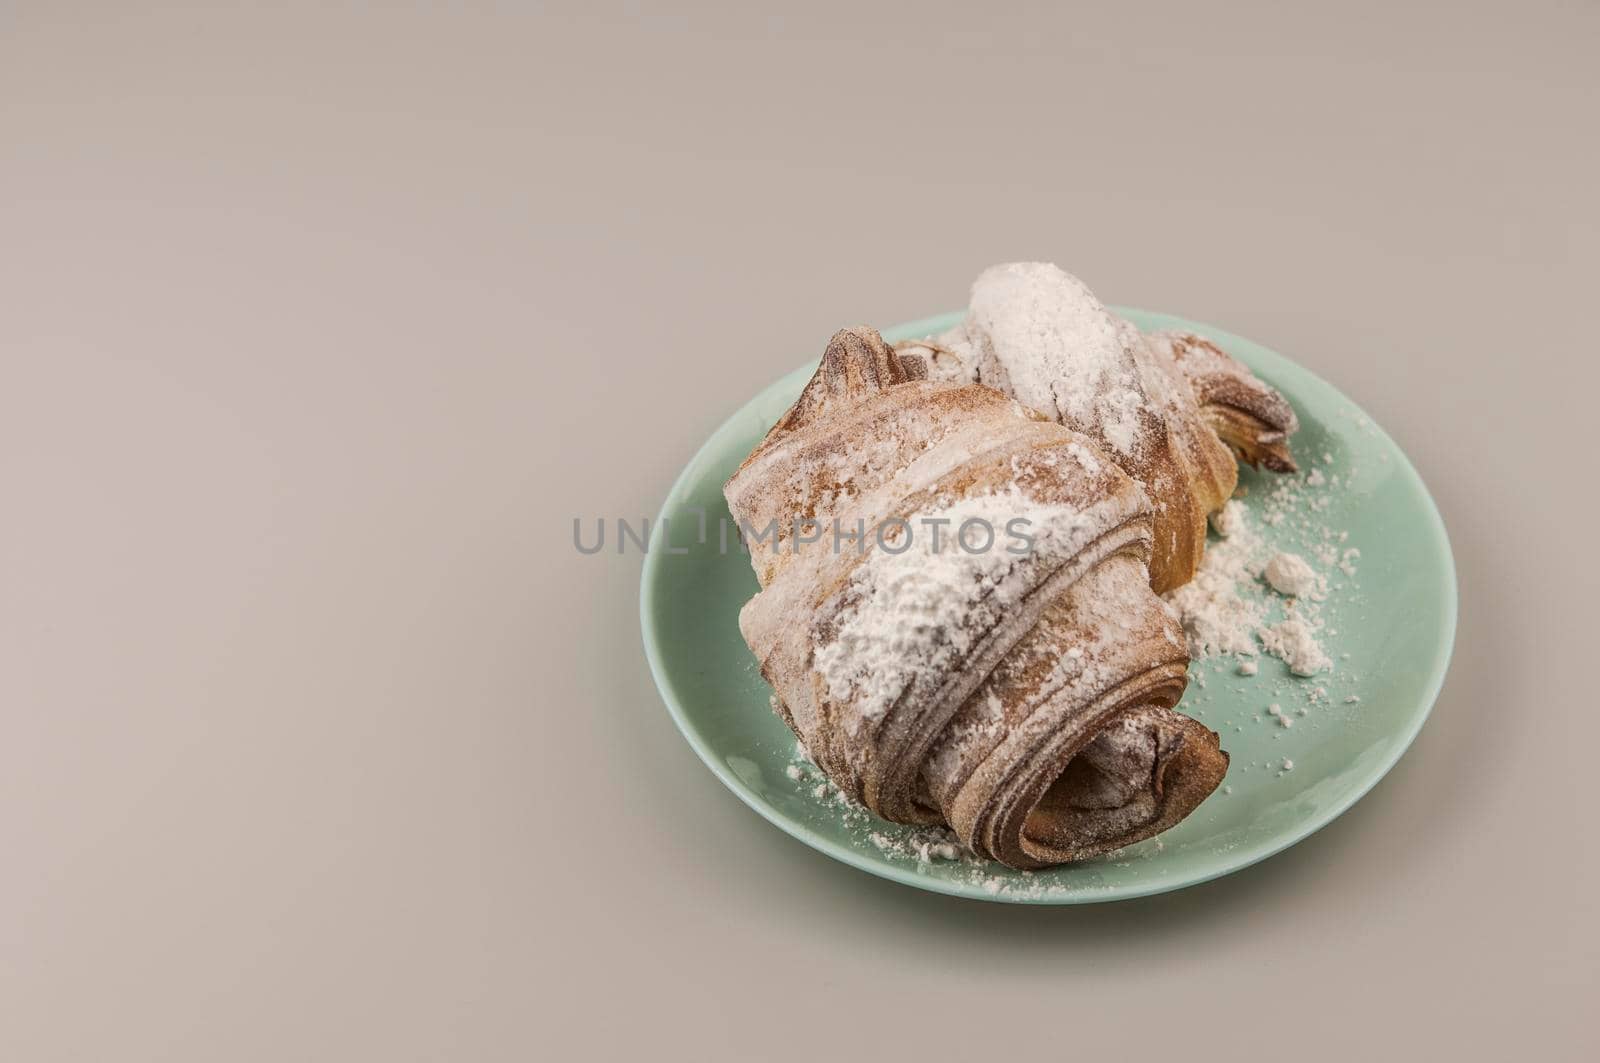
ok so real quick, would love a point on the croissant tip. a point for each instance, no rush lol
(859, 362)
(865, 333)
(856, 364)
(1277, 459)
(1275, 456)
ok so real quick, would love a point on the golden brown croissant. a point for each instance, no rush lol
(987, 652)
(1171, 410)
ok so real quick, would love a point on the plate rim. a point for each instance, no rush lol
(1234, 862)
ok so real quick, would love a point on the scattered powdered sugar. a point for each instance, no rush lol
(1294, 641)
(1290, 574)
(1229, 519)
(922, 844)
(1216, 616)
(1225, 610)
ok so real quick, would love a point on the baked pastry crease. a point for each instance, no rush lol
(1172, 410)
(986, 650)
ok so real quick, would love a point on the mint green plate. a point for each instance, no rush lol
(1389, 629)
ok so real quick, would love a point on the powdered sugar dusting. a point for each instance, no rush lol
(919, 611)
(1086, 458)
(1038, 333)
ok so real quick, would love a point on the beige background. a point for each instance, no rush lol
(320, 325)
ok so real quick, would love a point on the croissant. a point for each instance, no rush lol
(1249, 416)
(1172, 410)
(1015, 679)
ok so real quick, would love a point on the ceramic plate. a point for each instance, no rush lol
(1389, 624)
